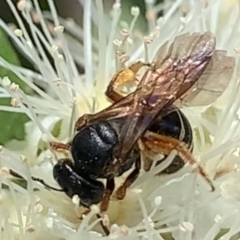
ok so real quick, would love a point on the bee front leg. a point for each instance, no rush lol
(60, 147)
(110, 185)
(123, 76)
(121, 191)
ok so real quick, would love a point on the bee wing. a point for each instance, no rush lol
(174, 71)
(212, 82)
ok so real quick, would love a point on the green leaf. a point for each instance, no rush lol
(224, 231)
(20, 182)
(12, 124)
(57, 129)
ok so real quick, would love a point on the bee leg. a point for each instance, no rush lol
(110, 185)
(60, 147)
(125, 75)
(105, 229)
(121, 191)
(147, 162)
(156, 143)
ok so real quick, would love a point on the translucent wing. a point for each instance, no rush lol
(213, 81)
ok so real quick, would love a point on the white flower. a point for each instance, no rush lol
(180, 205)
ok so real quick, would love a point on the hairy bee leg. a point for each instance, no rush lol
(121, 191)
(157, 143)
(110, 185)
(123, 76)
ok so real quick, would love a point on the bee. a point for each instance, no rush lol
(189, 71)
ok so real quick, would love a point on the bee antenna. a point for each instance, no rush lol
(15, 174)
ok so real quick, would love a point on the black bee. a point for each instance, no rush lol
(188, 71)
(92, 149)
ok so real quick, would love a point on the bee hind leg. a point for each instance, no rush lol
(157, 143)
